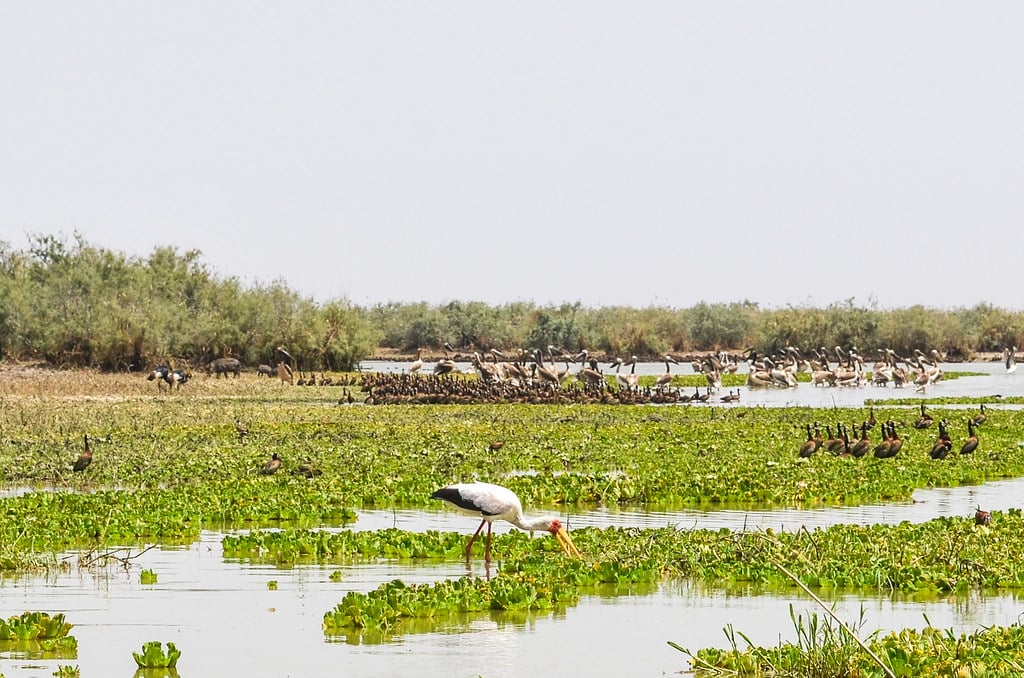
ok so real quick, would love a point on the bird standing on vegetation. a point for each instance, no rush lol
(971, 444)
(272, 465)
(982, 517)
(496, 445)
(925, 420)
(85, 458)
(666, 379)
(863, 444)
(810, 445)
(241, 429)
(494, 502)
(884, 447)
(942, 445)
(980, 418)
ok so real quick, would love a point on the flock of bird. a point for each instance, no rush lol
(393, 389)
(890, 443)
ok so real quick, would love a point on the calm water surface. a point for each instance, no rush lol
(226, 621)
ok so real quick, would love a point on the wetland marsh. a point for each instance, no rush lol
(643, 488)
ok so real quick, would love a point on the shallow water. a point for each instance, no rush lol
(925, 504)
(226, 621)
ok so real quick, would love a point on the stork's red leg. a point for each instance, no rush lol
(469, 546)
(487, 550)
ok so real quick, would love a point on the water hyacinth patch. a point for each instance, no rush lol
(939, 557)
(34, 626)
(154, 657)
(39, 635)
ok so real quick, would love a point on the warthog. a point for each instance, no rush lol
(265, 371)
(223, 366)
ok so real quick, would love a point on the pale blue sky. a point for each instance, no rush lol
(612, 153)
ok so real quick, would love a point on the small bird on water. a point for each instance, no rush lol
(85, 458)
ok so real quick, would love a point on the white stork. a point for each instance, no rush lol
(494, 502)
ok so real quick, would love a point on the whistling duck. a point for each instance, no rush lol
(981, 417)
(272, 465)
(85, 458)
(925, 420)
(971, 444)
(810, 445)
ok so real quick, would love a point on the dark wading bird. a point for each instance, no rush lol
(982, 517)
(85, 458)
(971, 444)
(272, 465)
(494, 502)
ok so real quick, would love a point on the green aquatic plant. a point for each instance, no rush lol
(153, 656)
(147, 577)
(941, 556)
(34, 626)
(389, 605)
(65, 672)
(821, 649)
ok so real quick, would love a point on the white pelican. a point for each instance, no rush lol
(417, 364)
(494, 502)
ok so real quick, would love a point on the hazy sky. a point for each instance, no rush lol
(623, 153)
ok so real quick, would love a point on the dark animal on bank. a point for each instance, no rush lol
(224, 366)
(85, 458)
(265, 371)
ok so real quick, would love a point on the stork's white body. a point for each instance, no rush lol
(491, 502)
